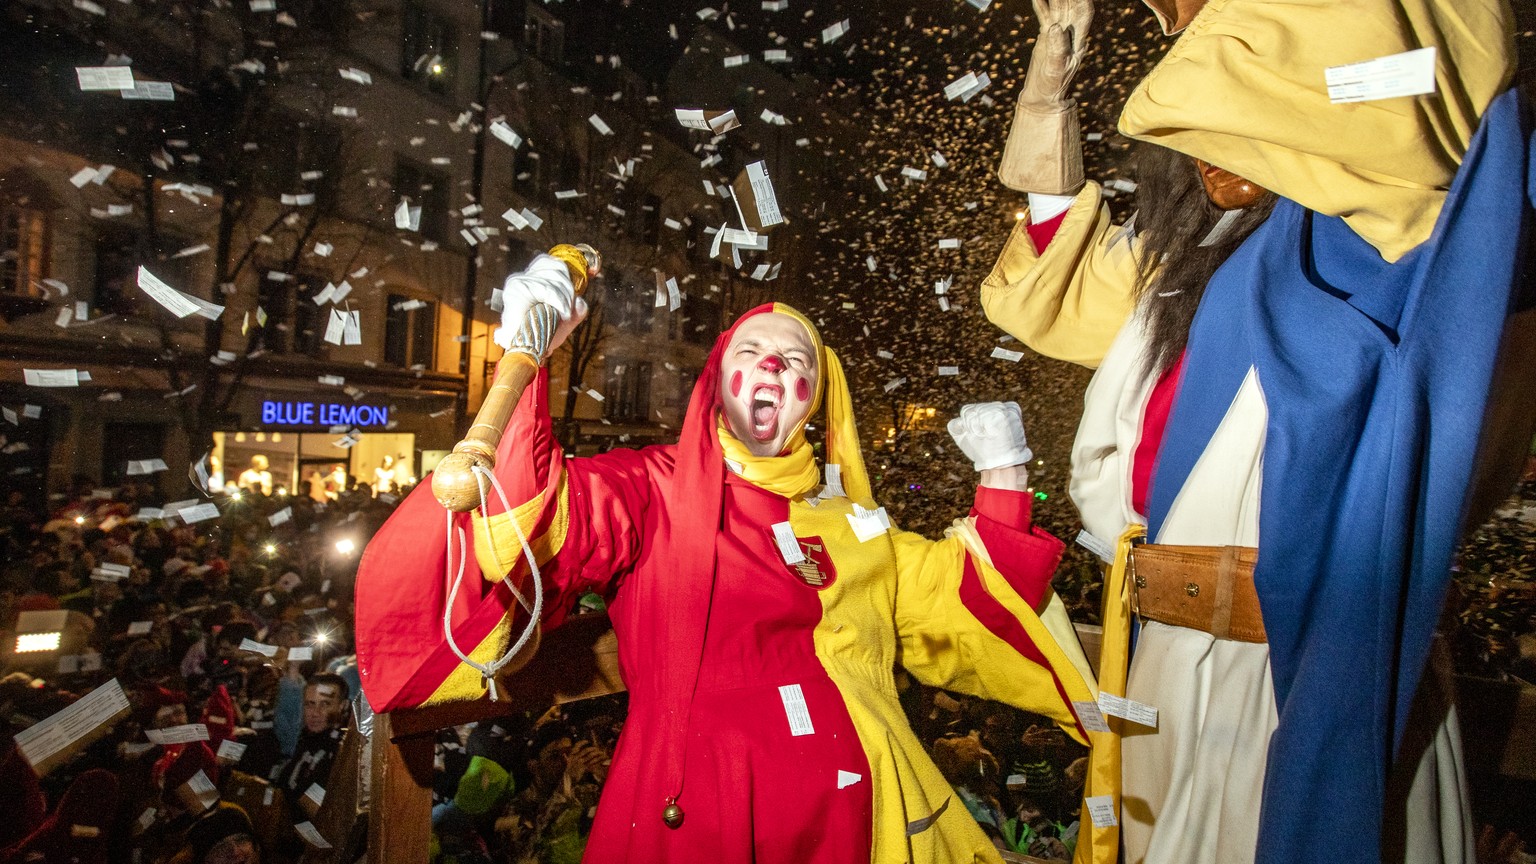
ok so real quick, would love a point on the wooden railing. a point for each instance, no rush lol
(577, 660)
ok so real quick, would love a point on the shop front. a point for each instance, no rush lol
(319, 447)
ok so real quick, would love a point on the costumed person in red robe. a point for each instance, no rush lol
(760, 607)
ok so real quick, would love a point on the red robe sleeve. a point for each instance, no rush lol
(578, 515)
(1025, 555)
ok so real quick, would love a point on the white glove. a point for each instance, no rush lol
(991, 434)
(547, 280)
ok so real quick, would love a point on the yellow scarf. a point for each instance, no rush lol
(794, 472)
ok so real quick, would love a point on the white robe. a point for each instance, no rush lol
(1192, 788)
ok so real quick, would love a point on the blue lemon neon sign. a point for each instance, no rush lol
(274, 413)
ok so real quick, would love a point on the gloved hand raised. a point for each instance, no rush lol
(1058, 51)
(991, 434)
(547, 280)
(1043, 154)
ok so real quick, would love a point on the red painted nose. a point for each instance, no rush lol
(772, 364)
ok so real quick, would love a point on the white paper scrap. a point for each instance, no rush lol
(334, 326)
(183, 734)
(505, 134)
(200, 513)
(1411, 73)
(49, 736)
(833, 481)
(174, 301)
(315, 793)
(1089, 715)
(252, 645)
(231, 750)
(280, 517)
(960, 86)
(835, 32)
(1222, 228)
(795, 709)
(104, 77)
(51, 377)
(301, 654)
(1101, 809)
(789, 546)
(311, 835)
(949, 243)
(847, 778)
(598, 124)
(1128, 709)
(868, 524)
(762, 191)
(153, 91)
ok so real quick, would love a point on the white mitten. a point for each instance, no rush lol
(547, 280)
(991, 434)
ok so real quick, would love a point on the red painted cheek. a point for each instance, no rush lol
(803, 390)
(736, 383)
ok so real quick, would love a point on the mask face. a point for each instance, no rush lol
(1175, 15)
(1225, 189)
(767, 381)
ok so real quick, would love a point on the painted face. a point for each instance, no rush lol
(1225, 189)
(768, 378)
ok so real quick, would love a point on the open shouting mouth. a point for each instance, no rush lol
(767, 401)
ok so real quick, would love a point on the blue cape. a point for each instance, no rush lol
(1376, 377)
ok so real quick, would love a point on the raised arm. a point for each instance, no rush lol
(974, 611)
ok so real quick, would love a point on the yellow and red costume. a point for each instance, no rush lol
(721, 641)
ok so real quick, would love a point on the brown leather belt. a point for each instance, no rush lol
(1208, 588)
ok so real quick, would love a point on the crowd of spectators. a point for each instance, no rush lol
(231, 639)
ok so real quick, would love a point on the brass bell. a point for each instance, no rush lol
(673, 815)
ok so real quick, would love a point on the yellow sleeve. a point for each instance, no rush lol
(961, 626)
(1069, 301)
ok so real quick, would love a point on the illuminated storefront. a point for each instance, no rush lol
(316, 447)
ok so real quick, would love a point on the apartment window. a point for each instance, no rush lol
(698, 242)
(570, 171)
(274, 298)
(633, 308)
(627, 392)
(117, 262)
(650, 220)
(697, 321)
(526, 171)
(309, 320)
(23, 241)
(428, 47)
(428, 190)
(544, 35)
(410, 331)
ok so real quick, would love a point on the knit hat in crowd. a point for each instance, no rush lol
(482, 786)
(224, 821)
(77, 831)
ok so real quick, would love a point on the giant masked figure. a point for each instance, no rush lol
(1295, 346)
(761, 602)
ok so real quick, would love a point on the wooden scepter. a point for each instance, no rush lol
(454, 483)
